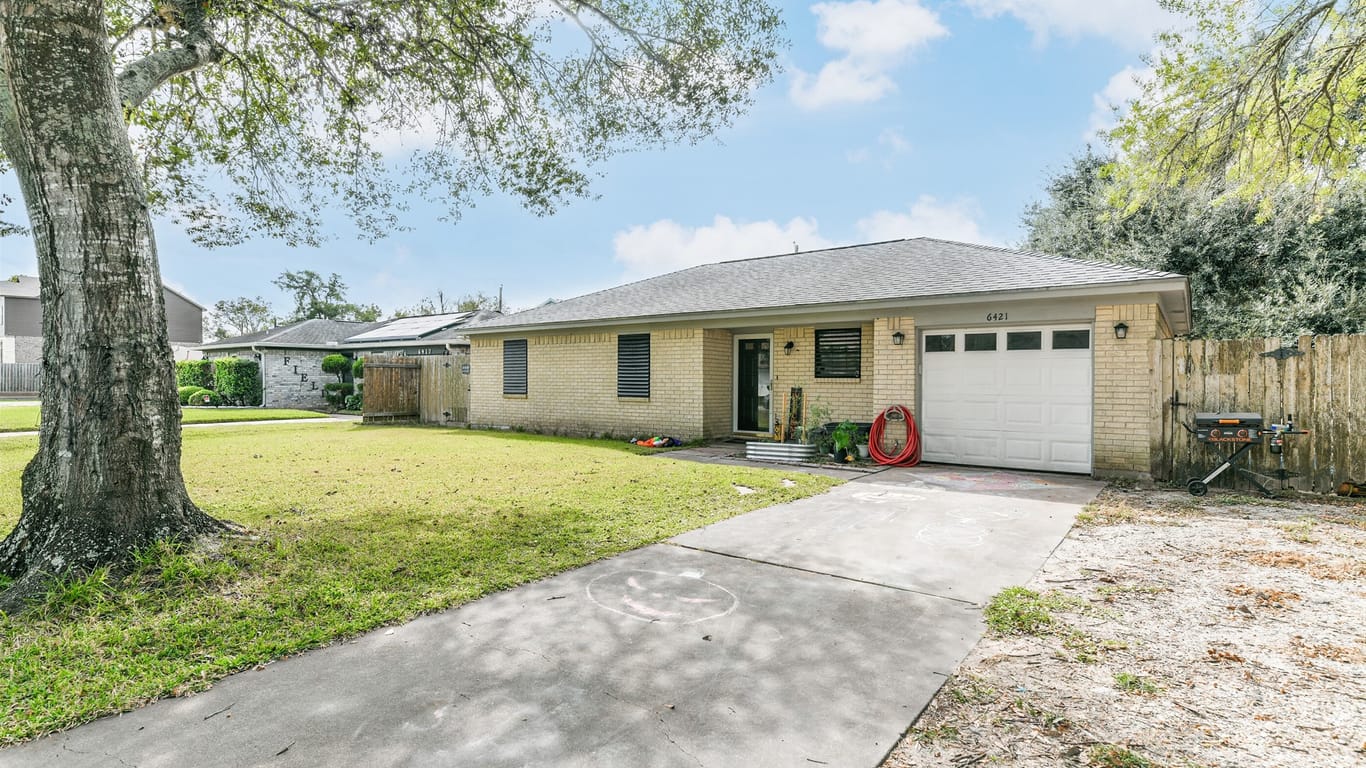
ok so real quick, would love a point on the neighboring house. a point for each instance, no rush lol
(1007, 358)
(21, 321)
(291, 355)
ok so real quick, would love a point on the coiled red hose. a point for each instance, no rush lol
(910, 452)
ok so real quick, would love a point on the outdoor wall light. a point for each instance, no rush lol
(898, 337)
(788, 347)
(1121, 330)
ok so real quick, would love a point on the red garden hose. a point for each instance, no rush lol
(910, 452)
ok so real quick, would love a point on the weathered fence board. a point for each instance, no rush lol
(1324, 387)
(391, 389)
(444, 387)
(20, 377)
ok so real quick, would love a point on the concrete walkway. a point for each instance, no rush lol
(806, 634)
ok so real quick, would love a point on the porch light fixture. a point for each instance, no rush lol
(1121, 330)
(897, 338)
(788, 347)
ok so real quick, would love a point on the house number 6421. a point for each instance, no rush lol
(996, 317)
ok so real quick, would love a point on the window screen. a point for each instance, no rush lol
(1071, 339)
(1024, 340)
(979, 342)
(633, 365)
(838, 352)
(514, 366)
(939, 342)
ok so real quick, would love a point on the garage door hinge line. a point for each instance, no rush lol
(821, 573)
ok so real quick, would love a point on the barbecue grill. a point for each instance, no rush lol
(1245, 430)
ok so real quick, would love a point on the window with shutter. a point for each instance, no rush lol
(514, 366)
(633, 365)
(838, 353)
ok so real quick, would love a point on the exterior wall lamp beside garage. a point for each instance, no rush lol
(788, 347)
(897, 338)
(1121, 330)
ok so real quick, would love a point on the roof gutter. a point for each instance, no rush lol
(1153, 285)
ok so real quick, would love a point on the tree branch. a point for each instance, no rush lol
(139, 79)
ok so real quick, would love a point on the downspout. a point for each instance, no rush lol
(262, 371)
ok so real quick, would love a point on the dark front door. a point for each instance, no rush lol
(752, 386)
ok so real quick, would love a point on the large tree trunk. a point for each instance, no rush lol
(106, 480)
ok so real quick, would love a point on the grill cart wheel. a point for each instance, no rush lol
(1197, 487)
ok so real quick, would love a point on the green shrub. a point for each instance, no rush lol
(336, 365)
(358, 368)
(353, 403)
(185, 392)
(205, 397)
(198, 373)
(238, 380)
(336, 392)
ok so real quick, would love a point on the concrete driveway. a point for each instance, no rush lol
(806, 634)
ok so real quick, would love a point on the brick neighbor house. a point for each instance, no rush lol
(1007, 358)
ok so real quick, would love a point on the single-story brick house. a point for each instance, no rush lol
(1007, 358)
(291, 355)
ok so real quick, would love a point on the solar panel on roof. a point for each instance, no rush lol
(410, 327)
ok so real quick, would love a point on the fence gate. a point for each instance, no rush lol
(391, 389)
(1321, 380)
(443, 389)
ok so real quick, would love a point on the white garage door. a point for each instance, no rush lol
(1007, 397)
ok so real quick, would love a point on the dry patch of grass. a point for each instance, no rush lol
(1172, 645)
(1337, 569)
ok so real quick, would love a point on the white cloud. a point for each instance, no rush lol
(1113, 100)
(873, 37)
(1128, 22)
(891, 144)
(665, 246)
(928, 217)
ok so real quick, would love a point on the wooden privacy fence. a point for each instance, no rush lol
(430, 389)
(20, 377)
(444, 387)
(1321, 380)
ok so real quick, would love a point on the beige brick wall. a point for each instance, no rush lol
(1123, 389)
(718, 367)
(572, 386)
(846, 398)
(894, 369)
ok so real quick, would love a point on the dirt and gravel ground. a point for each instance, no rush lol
(1171, 631)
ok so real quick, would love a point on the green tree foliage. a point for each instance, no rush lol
(319, 297)
(439, 304)
(240, 316)
(299, 104)
(197, 373)
(1301, 270)
(237, 380)
(1250, 98)
(337, 365)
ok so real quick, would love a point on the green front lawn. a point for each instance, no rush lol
(24, 418)
(350, 527)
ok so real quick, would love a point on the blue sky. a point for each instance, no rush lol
(893, 118)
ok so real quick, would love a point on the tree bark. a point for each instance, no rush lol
(106, 480)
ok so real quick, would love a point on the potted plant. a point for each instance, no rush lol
(844, 437)
(861, 442)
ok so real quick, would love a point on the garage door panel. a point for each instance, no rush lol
(1024, 450)
(1024, 415)
(1030, 409)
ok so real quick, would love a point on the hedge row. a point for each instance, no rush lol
(230, 381)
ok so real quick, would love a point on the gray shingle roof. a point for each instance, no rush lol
(304, 333)
(899, 269)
